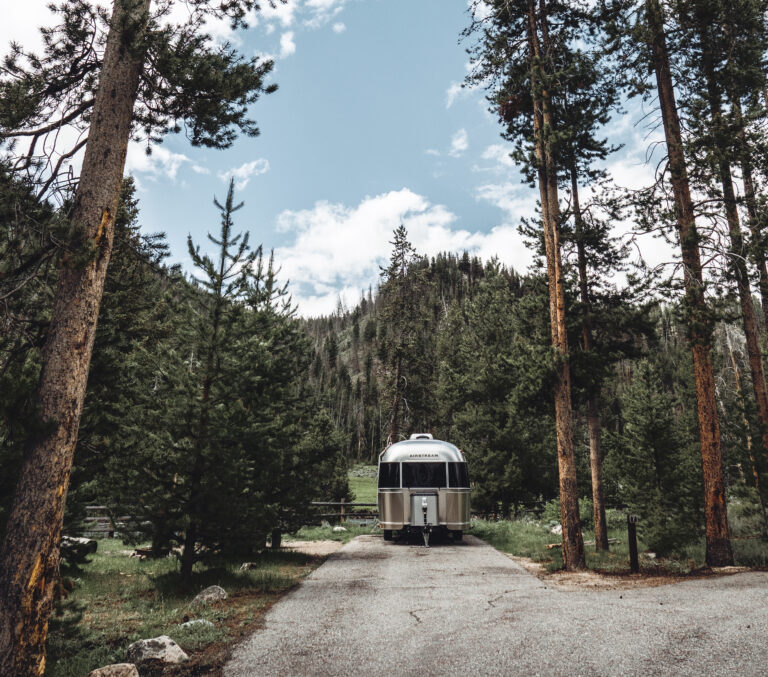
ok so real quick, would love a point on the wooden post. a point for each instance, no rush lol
(342, 510)
(634, 564)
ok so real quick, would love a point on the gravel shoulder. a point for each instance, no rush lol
(380, 608)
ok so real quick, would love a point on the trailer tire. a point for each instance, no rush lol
(457, 535)
(387, 534)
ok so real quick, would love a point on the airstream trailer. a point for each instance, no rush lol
(423, 487)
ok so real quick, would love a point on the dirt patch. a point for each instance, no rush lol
(594, 580)
(313, 548)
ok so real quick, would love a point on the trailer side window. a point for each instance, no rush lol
(457, 476)
(423, 475)
(389, 475)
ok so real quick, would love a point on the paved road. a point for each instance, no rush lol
(377, 608)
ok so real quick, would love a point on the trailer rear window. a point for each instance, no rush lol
(457, 476)
(424, 475)
(389, 475)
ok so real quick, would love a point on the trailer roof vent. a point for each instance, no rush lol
(421, 436)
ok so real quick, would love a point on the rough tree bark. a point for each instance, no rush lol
(29, 557)
(738, 253)
(573, 542)
(753, 217)
(747, 435)
(593, 408)
(718, 548)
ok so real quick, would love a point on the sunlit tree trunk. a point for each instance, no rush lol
(718, 548)
(737, 252)
(29, 557)
(748, 437)
(593, 407)
(573, 543)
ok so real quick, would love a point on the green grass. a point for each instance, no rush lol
(118, 600)
(362, 483)
(328, 534)
(527, 538)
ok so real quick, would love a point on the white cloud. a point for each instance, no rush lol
(432, 151)
(454, 91)
(338, 249)
(284, 14)
(245, 172)
(162, 162)
(339, 27)
(516, 199)
(21, 23)
(499, 154)
(287, 45)
(322, 11)
(482, 9)
(459, 143)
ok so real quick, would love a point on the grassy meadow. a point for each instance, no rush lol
(529, 538)
(362, 483)
(118, 599)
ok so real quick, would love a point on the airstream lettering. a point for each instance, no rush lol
(423, 487)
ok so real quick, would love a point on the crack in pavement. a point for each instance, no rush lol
(413, 613)
(333, 623)
(492, 602)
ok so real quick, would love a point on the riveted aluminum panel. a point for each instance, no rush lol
(392, 508)
(454, 508)
(421, 450)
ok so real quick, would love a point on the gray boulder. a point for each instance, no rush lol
(197, 623)
(115, 670)
(213, 594)
(161, 648)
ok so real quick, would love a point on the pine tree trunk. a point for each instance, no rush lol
(29, 557)
(718, 548)
(748, 440)
(573, 543)
(737, 251)
(593, 408)
(750, 199)
(188, 555)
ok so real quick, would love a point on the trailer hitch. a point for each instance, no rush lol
(425, 532)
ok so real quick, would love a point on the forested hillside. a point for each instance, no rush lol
(482, 378)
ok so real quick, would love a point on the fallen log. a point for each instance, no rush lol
(76, 548)
(560, 545)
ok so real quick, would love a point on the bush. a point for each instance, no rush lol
(551, 513)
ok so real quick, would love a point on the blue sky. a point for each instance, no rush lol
(367, 130)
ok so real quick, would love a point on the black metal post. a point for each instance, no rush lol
(634, 564)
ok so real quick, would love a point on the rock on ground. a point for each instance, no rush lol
(197, 622)
(214, 593)
(115, 670)
(161, 648)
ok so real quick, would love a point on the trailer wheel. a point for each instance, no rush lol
(387, 534)
(457, 535)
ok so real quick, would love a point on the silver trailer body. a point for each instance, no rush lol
(423, 486)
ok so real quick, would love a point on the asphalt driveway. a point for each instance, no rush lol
(383, 608)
